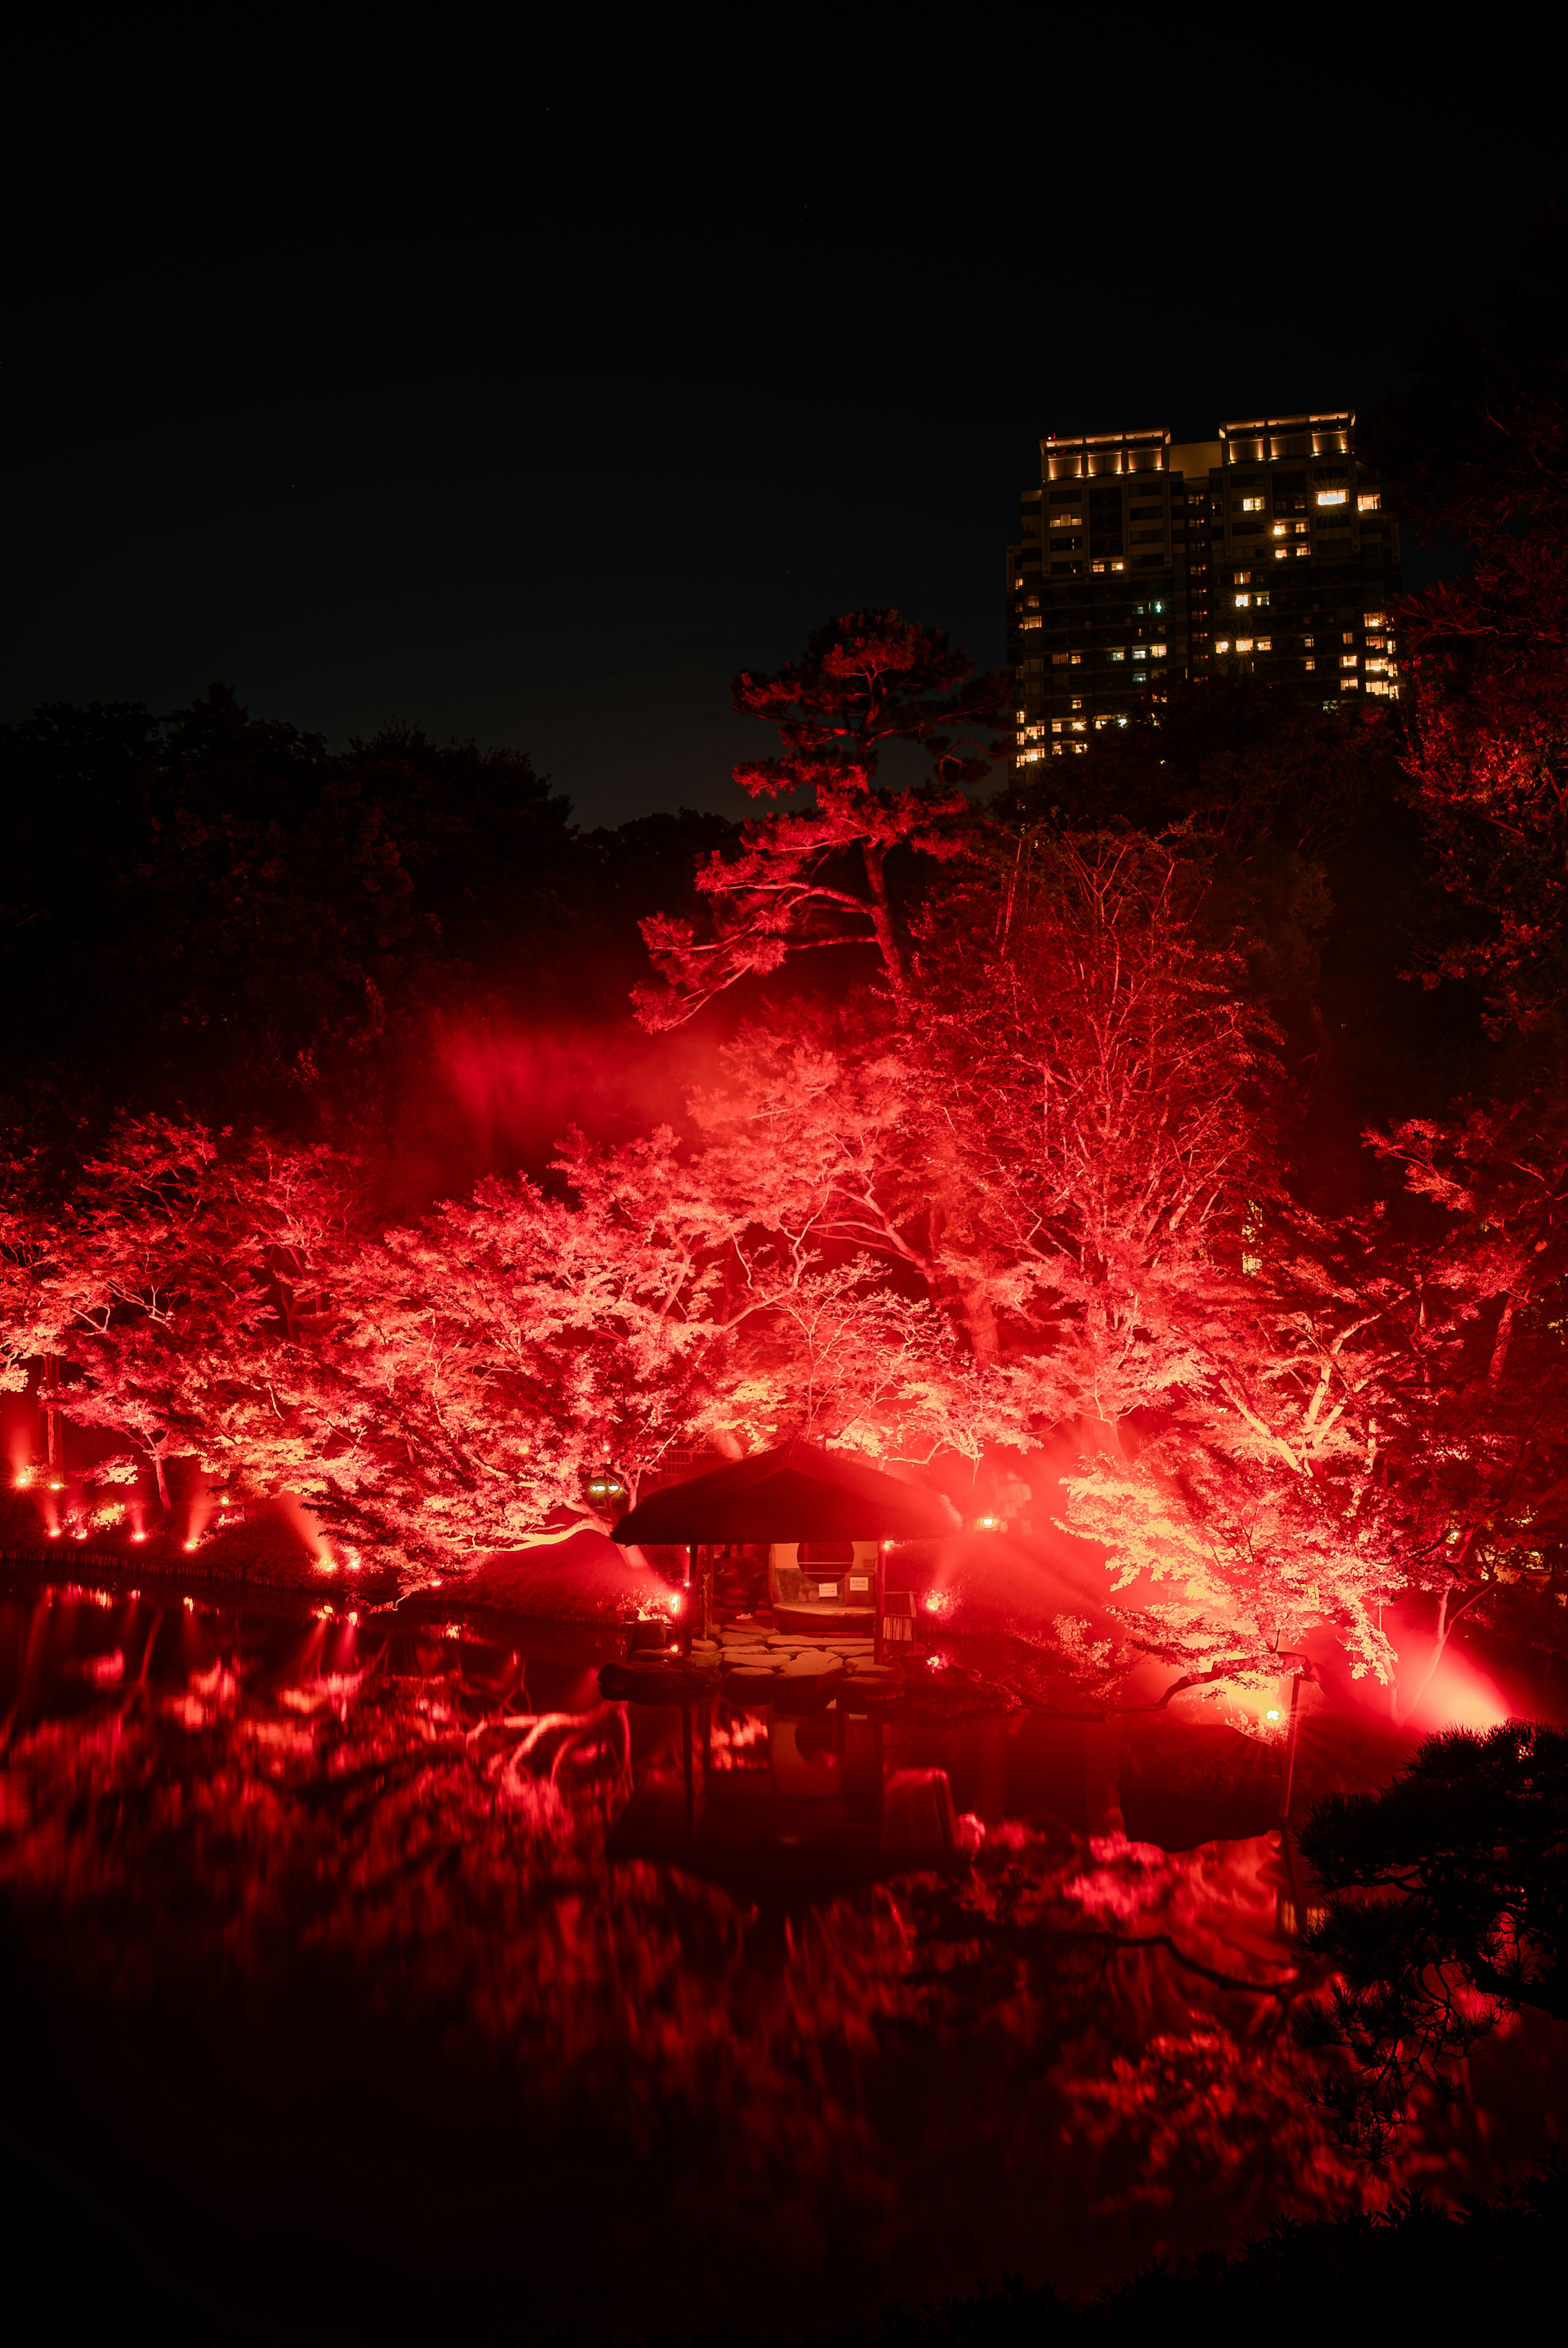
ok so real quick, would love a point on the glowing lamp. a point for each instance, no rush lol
(605, 1485)
(676, 1604)
(1273, 1713)
(138, 1536)
(57, 1483)
(190, 1544)
(54, 1533)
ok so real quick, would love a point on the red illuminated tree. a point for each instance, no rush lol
(168, 1285)
(820, 877)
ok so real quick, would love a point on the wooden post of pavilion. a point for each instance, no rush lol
(690, 1599)
(877, 1633)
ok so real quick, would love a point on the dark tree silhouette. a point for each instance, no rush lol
(1479, 451)
(1446, 1911)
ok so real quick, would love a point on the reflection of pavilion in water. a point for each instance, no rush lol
(769, 1797)
(792, 1771)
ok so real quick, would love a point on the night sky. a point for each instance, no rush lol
(542, 447)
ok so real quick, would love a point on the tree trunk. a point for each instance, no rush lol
(1445, 1633)
(882, 923)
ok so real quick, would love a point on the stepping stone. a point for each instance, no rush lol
(811, 1667)
(746, 1684)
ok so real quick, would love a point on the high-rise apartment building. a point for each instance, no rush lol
(1140, 559)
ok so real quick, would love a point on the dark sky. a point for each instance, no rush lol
(541, 447)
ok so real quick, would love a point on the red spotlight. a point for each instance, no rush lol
(54, 1533)
(190, 1544)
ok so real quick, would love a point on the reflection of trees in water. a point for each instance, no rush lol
(1053, 2065)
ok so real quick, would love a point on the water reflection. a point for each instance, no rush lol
(811, 2067)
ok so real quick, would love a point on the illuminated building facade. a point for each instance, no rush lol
(1140, 559)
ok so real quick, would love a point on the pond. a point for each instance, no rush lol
(345, 1988)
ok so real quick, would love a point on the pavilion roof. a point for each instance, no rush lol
(798, 1492)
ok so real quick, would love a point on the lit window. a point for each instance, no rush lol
(1115, 654)
(1243, 578)
(1078, 726)
(1244, 643)
(1280, 552)
(1309, 640)
(1309, 663)
(1020, 715)
(1265, 643)
(1370, 501)
(1282, 530)
(1252, 505)
(1348, 637)
(1300, 532)
(1157, 652)
(1350, 684)
(1373, 620)
(1242, 603)
(1077, 702)
(1346, 660)
(1060, 660)
(1332, 497)
(1375, 644)
(1222, 646)
(1056, 724)
(1028, 623)
(1376, 666)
